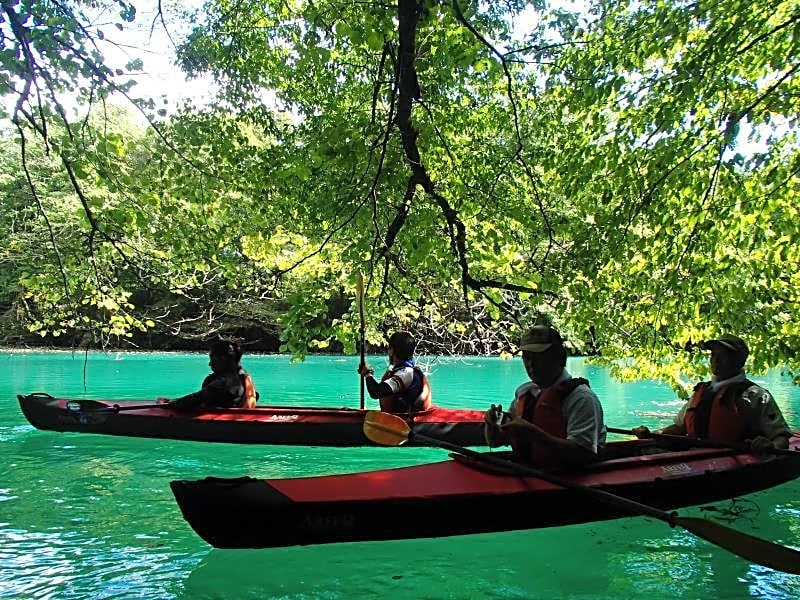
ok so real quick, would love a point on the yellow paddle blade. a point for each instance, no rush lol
(385, 429)
(757, 550)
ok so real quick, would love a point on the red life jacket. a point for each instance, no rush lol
(545, 412)
(716, 416)
(408, 400)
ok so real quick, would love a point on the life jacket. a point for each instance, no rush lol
(544, 411)
(414, 398)
(250, 393)
(716, 416)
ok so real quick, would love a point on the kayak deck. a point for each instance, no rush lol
(454, 497)
(279, 425)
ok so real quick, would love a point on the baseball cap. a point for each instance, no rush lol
(540, 338)
(731, 342)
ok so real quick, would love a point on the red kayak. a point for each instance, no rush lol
(465, 495)
(280, 425)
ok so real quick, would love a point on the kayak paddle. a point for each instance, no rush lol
(390, 430)
(96, 406)
(362, 327)
(700, 442)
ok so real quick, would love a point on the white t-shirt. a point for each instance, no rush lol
(581, 409)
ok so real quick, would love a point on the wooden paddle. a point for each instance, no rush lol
(700, 443)
(362, 328)
(95, 406)
(389, 430)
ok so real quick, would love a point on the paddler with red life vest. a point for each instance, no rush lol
(730, 408)
(555, 420)
(228, 385)
(403, 387)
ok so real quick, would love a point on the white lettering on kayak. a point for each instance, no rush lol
(679, 468)
(284, 418)
(322, 522)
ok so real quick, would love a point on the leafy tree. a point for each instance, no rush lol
(697, 234)
(589, 172)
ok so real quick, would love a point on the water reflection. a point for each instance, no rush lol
(625, 558)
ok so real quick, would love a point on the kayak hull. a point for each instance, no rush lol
(279, 425)
(454, 497)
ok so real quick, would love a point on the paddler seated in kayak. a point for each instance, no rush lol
(555, 420)
(403, 387)
(730, 408)
(228, 385)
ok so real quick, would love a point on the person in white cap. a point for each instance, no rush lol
(555, 420)
(730, 408)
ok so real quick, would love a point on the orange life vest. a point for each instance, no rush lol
(402, 401)
(544, 411)
(716, 416)
(250, 393)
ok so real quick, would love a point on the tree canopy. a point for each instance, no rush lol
(626, 172)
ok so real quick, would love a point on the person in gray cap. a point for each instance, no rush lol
(555, 420)
(730, 408)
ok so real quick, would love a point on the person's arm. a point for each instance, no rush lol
(773, 432)
(677, 426)
(188, 402)
(216, 391)
(762, 445)
(568, 451)
(376, 389)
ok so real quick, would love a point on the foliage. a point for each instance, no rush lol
(696, 233)
(627, 173)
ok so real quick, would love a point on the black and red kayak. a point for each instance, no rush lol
(280, 425)
(466, 495)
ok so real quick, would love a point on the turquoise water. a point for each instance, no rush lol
(90, 516)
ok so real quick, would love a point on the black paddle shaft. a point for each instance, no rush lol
(701, 442)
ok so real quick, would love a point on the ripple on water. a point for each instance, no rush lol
(15, 433)
(69, 565)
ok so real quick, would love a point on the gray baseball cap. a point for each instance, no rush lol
(540, 338)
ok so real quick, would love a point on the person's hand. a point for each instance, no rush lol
(364, 369)
(641, 432)
(761, 445)
(493, 415)
(161, 400)
(517, 424)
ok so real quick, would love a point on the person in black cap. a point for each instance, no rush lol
(554, 420)
(228, 385)
(730, 408)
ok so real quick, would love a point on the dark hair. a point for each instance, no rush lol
(227, 348)
(403, 344)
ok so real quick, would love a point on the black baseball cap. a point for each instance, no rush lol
(729, 342)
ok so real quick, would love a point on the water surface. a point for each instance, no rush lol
(91, 516)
